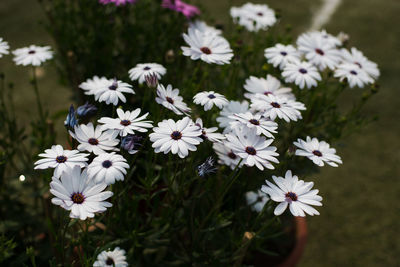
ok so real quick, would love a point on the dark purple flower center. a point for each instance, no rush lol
(146, 68)
(267, 93)
(205, 50)
(170, 100)
(260, 14)
(317, 153)
(93, 141)
(211, 96)
(283, 53)
(109, 261)
(107, 164)
(125, 122)
(319, 51)
(232, 155)
(77, 198)
(31, 52)
(303, 71)
(353, 72)
(176, 135)
(251, 150)
(292, 196)
(61, 159)
(113, 86)
(254, 121)
(275, 105)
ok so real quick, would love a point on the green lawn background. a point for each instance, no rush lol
(358, 225)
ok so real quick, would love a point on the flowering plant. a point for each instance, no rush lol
(205, 174)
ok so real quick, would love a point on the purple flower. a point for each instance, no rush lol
(187, 10)
(117, 2)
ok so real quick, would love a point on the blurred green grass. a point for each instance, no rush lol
(358, 224)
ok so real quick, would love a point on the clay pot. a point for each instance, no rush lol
(301, 239)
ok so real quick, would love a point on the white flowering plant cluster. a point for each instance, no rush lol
(179, 161)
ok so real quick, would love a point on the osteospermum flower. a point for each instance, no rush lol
(268, 86)
(117, 2)
(209, 48)
(353, 74)
(255, 122)
(94, 139)
(4, 48)
(204, 28)
(280, 55)
(74, 192)
(209, 133)
(292, 192)
(111, 92)
(107, 168)
(318, 51)
(327, 37)
(187, 10)
(170, 99)
(226, 155)
(357, 57)
(32, 55)
(254, 17)
(256, 200)
(94, 86)
(252, 148)
(274, 106)
(60, 159)
(127, 122)
(209, 99)
(318, 151)
(140, 71)
(178, 137)
(131, 143)
(302, 74)
(230, 109)
(115, 258)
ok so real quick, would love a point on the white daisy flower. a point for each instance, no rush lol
(259, 123)
(302, 74)
(357, 57)
(107, 168)
(328, 38)
(111, 92)
(76, 193)
(293, 192)
(280, 55)
(170, 99)
(94, 139)
(271, 85)
(209, 133)
(226, 155)
(114, 258)
(209, 99)
(204, 28)
(318, 152)
(178, 137)
(318, 51)
(127, 122)
(254, 17)
(228, 110)
(274, 106)
(252, 148)
(94, 86)
(353, 74)
(32, 55)
(140, 71)
(4, 48)
(60, 159)
(209, 48)
(256, 200)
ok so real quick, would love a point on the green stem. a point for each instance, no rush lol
(36, 89)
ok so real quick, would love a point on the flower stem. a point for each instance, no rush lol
(36, 89)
